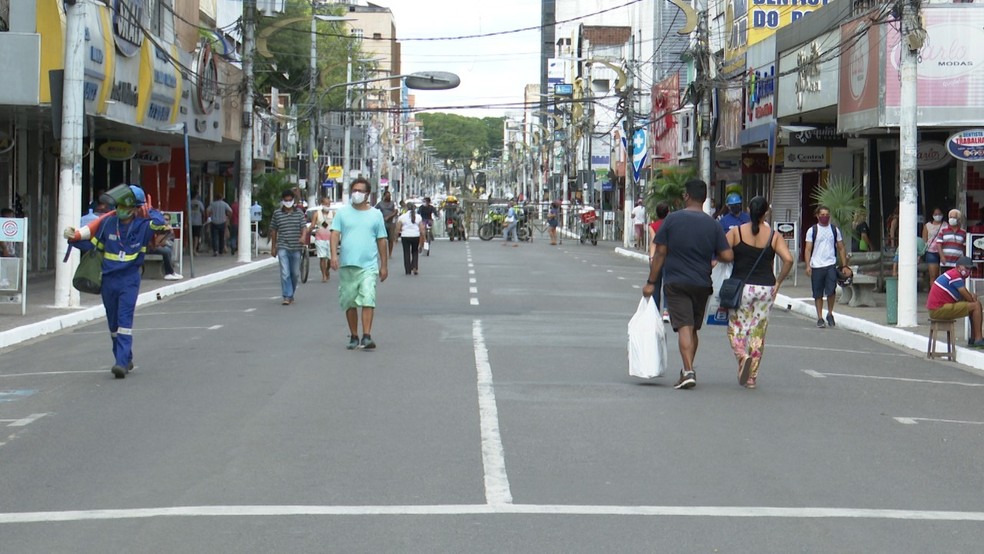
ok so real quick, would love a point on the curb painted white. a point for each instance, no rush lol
(971, 357)
(53, 325)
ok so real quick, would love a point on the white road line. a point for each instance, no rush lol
(493, 509)
(141, 329)
(493, 459)
(820, 348)
(27, 420)
(473, 302)
(214, 327)
(473, 290)
(34, 374)
(471, 264)
(914, 420)
(248, 310)
(472, 280)
(813, 373)
(250, 299)
(471, 271)
(200, 312)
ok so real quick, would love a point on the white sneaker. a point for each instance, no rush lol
(666, 316)
(173, 277)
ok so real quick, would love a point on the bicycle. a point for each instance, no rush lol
(305, 263)
(428, 236)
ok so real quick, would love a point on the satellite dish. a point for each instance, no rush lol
(432, 80)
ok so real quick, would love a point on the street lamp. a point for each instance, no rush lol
(183, 128)
(424, 80)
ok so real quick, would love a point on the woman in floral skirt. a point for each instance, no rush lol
(747, 324)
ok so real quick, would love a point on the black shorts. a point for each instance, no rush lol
(196, 231)
(824, 281)
(686, 304)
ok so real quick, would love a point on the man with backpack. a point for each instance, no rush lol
(824, 247)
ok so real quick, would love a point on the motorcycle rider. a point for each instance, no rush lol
(452, 218)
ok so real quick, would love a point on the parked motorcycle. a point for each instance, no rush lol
(496, 223)
(588, 230)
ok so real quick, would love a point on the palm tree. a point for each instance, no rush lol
(843, 198)
(668, 186)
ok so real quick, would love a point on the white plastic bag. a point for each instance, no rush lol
(647, 341)
(715, 314)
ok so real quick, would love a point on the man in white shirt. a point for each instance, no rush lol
(639, 223)
(824, 247)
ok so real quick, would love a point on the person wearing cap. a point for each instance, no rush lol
(735, 216)
(123, 238)
(949, 299)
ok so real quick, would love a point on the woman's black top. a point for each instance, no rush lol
(745, 256)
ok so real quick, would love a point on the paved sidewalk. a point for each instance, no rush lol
(798, 298)
(43, 318)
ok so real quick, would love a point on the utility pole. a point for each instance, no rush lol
(347, 140)
(70, 166)
(704, 76)
(913, 37)
(628, 229)
(246, 156)
(312, 174)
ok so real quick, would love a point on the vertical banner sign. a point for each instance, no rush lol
(640, 151)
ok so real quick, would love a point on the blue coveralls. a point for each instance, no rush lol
(124, 246)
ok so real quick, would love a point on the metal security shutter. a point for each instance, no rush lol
(786, 197)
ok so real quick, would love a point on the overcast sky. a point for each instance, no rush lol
(493, 70)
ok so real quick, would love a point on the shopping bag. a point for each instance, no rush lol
(427, 246)
(88, 276)
(715, 314)
(647, 341)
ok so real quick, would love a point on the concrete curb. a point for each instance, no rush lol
(53, 325)
(917, 343)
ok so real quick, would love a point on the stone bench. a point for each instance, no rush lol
(153, 266)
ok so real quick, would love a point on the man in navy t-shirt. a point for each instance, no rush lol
(686, 246)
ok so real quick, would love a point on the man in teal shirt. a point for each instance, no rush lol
(361, 232)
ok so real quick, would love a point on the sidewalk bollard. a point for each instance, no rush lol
(892, 300)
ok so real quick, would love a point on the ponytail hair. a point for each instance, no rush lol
(413, 212)
(757, 207)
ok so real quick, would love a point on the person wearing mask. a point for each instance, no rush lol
(123, 238)
(748, 323)
(951, 241)
(287, 226)
(411, 230)
(321, 223)
(949, 299)
(390, 213)
(734, 216)
(361, 232)
(686, 246)
(931, 232)
(824, 248)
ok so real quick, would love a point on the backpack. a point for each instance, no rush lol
(836, 232)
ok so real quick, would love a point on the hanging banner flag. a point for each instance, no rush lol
(640, 151)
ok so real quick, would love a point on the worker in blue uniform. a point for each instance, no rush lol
(735, 216)
(123, 238)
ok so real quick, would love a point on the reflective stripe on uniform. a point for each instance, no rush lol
(125, 331)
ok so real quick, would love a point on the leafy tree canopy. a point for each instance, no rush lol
(458, 137)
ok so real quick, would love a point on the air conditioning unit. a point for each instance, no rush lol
(686, 129)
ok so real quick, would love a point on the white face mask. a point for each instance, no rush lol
(287, 203)
(358, 197)
(938, 218)
(954, 221)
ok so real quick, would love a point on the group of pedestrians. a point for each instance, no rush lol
(686, 246)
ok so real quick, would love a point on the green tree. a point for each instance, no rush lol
(843, 198)
(668, 186)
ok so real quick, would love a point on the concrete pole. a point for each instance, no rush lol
(704, 109)
(907, 174)
(313, 179)
(347, 141)
(70, 165)
(245, 244)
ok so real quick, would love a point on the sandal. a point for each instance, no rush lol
(751, 383)
(745, 372)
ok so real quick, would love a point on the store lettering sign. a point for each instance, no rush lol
(127, 32)
(967, 145)
(761, 89)
(116, 150)
(932, 155)
(207, 77)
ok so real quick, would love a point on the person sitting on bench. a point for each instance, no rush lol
(950, 299)
(165, 248)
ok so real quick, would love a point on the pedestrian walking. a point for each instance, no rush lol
(197, 219)
(411, 231)
(287, 226)
(360, 231)
(390, 213)
(734, 215)
(553, 221)
(952, 240)
(509, 232)
(218, 214)
(321, 223)
(639, 222)
(662, 210)
(931, 232)
(755, 246)
(123, 238)
(686, 245)
(824, 248)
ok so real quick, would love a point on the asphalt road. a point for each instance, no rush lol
(496, 415)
